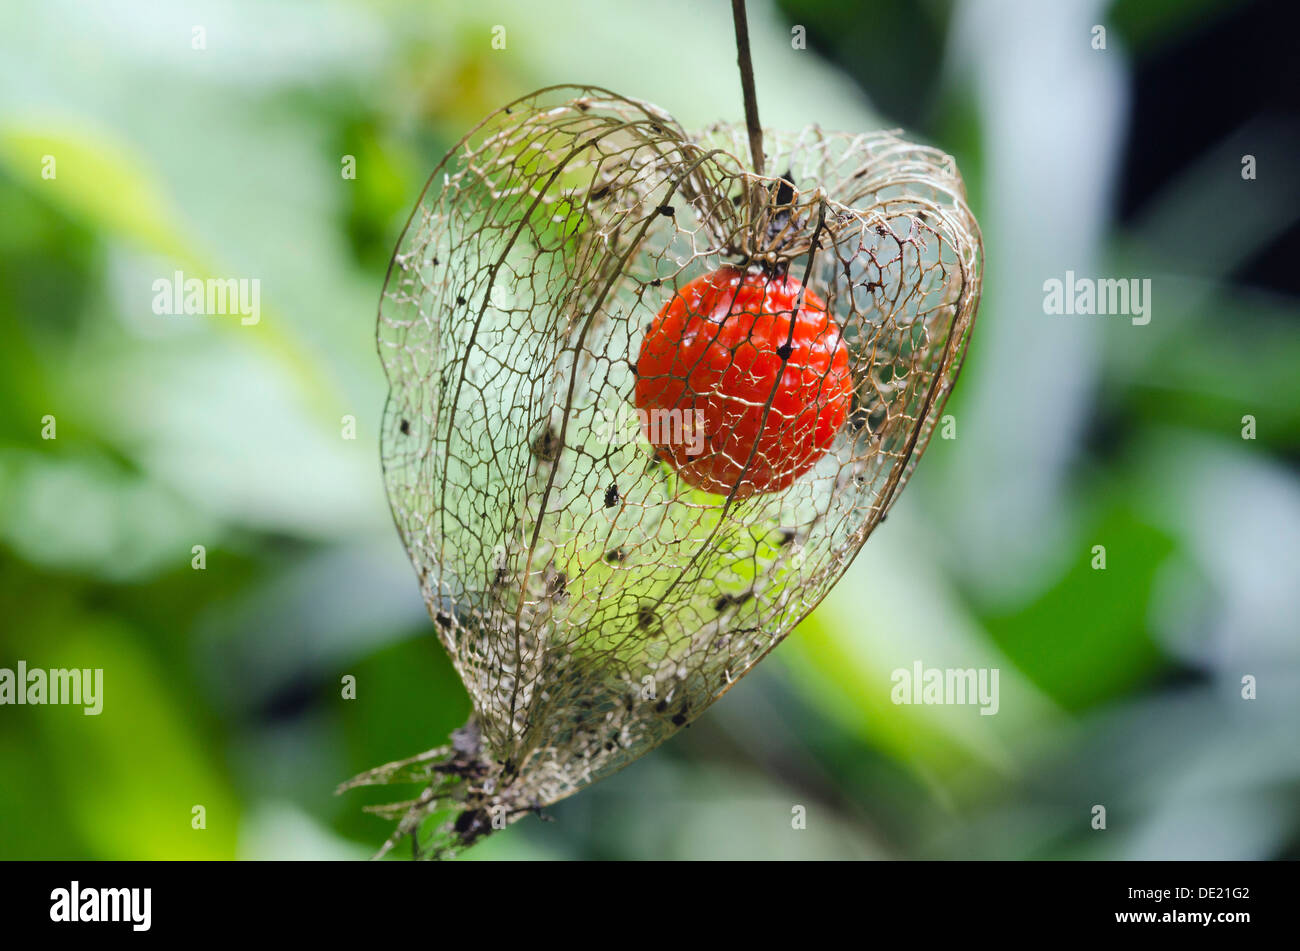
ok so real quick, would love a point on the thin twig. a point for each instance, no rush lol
(747, 83)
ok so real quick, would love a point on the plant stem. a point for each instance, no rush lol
(747, 83)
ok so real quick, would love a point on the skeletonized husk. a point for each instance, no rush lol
(587, 632)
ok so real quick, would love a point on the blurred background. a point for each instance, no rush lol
(1119, 687)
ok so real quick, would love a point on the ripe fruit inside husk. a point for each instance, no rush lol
(724, 358)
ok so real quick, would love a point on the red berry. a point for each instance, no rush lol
(717, 348)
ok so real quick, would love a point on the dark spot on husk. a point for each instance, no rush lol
(546, 447)
(729, 600)
(472, 824)
(611, 495)
(785, 188)
(405, 427)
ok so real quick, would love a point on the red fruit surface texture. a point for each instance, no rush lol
(716, 347)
